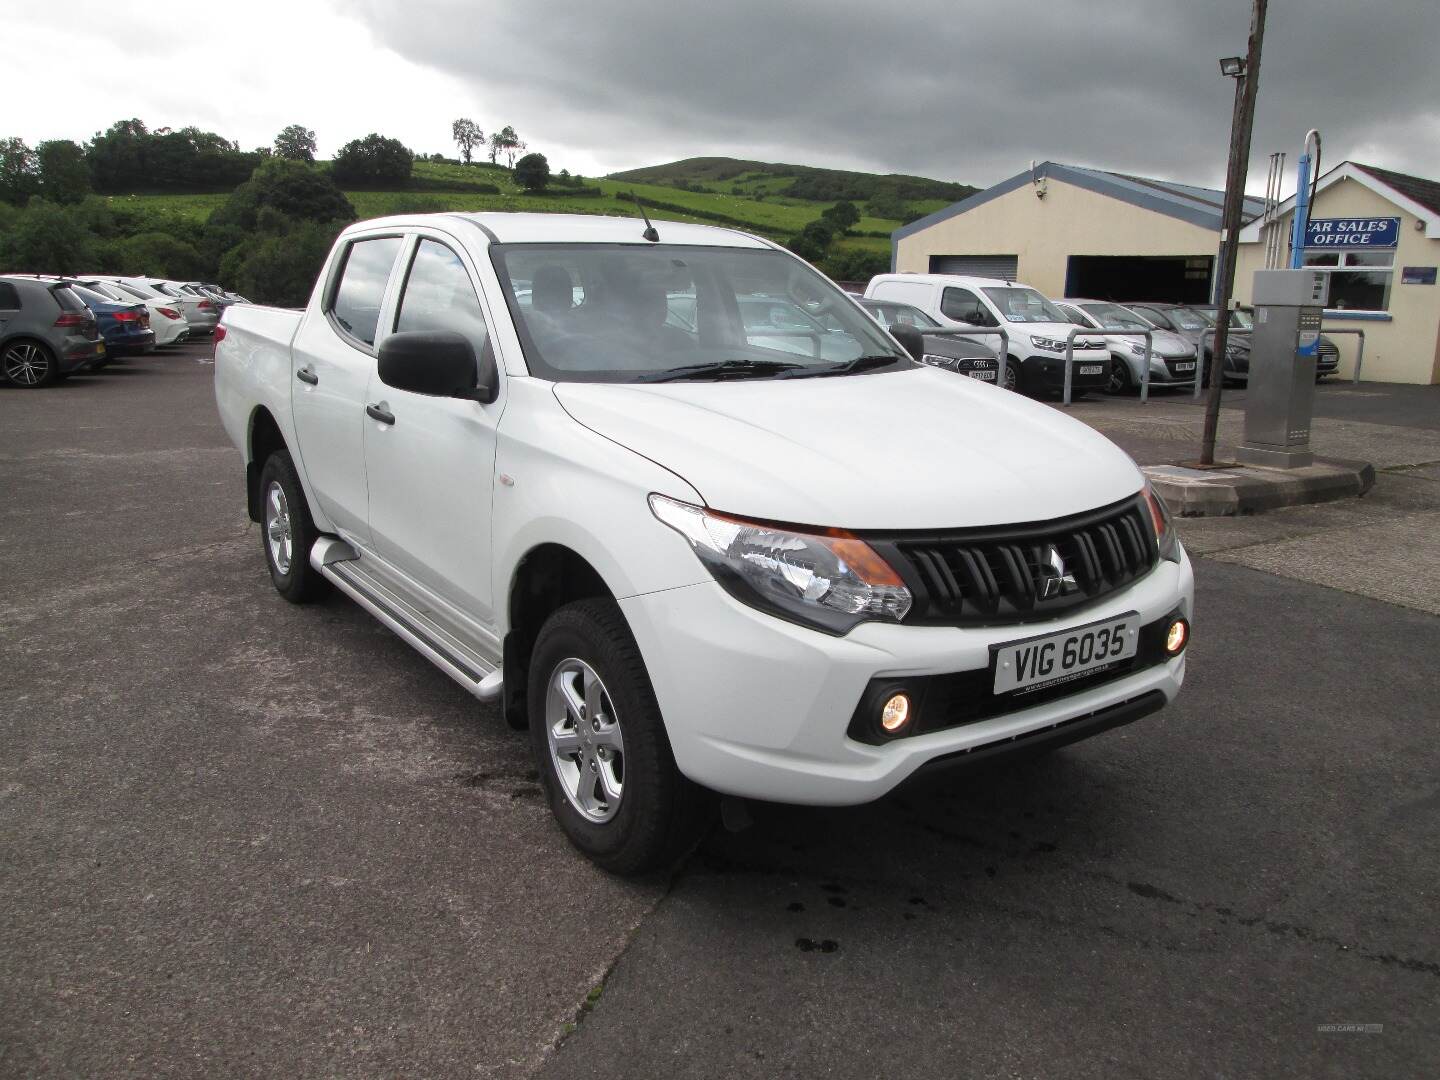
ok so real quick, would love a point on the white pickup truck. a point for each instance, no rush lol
(690, 554)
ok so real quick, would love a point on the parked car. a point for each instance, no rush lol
(1038, 332)
(1237, 368)
(940, 346)
(576, 509)
(1189, 324)
(166, 319)
(46, 332)
(125, 325)
(1172, 358)
(201, 313)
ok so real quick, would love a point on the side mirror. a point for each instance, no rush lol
(910, 338)
(439, 363)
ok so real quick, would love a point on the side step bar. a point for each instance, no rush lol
(340, 562)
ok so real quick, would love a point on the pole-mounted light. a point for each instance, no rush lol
(1232, 66)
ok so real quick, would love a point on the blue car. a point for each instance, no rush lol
(125, 327)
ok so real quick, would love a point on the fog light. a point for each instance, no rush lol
(895, 716)
(1177, 637)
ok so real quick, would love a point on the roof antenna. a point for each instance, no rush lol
(649, 233)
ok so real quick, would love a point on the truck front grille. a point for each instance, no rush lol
(1022, 573)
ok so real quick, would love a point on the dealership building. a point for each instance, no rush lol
(1072, 231)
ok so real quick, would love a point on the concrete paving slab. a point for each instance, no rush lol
(1249, 489)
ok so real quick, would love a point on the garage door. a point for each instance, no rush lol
(991, 266)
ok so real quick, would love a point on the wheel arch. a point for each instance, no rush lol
(263, 438)
(546, 578)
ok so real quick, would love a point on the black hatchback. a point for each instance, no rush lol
(945, 347)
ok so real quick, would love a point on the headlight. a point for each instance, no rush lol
(1051, 344)
(948, 362)
(1138, 348)
(1165, 536)
(830, 580)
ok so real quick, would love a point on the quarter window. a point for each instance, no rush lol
(1359, 280)
(9, 297)
(439, 296)
(361, 290)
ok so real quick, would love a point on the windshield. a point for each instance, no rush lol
(1115, 317)
(901, 315)
(627, 313)
(1019, 305)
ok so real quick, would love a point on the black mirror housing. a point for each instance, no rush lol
(910, 338)
(438, 363)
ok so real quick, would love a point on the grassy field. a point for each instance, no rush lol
(461, 188)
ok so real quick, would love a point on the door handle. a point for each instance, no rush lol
(377, 412)
(305, 375)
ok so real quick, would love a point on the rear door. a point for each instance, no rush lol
(431, 470)
(333, 358)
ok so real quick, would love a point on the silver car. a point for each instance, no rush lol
(46, 332)
(1172, 357)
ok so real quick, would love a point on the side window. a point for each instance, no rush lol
(964, 306)
(9, 297)
(438, 295)
(356, 306)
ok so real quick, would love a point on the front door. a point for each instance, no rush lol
(333, 359)
(431, 471)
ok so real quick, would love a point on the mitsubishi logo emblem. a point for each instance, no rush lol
(1055, 579)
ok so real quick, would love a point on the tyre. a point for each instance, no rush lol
(287, 533)
(600, 745)
(1014, 378)
(28, 365)
(1120, 380)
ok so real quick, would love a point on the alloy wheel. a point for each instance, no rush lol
(26, 364)
(587, 749)
(278, 532)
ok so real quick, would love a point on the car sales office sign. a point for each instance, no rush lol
(1353, 232)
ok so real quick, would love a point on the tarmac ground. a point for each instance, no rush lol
(243, 838)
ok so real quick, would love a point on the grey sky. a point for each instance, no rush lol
(948, 88)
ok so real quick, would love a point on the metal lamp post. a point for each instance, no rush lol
(1246, 73)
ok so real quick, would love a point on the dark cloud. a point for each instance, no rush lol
(960, 90)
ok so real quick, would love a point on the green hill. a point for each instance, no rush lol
(735, 176)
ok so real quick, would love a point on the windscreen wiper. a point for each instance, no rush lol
(722, 369)
(860, 363)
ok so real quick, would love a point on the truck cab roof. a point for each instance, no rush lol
(503, 228)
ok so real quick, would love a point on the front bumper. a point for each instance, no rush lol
(759, 708)
(1048, 372)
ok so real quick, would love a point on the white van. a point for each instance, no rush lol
(1037, 329)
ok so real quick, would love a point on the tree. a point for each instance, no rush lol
(843, 216)
(280, 265)
(467, 136)
(506, 142)
(47, 239)
(295, 142)
(117, 157)
(812, 241)
(19, 172)
(153, 253)
(532, 172)
(297, 191)
(373, 162)
(64, 176)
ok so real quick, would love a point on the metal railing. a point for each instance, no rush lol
(1209, 334)
(1144, 364)
(1359, 349)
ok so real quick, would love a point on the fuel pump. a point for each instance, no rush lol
(1284, 345)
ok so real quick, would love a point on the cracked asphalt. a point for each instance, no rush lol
(240, 838)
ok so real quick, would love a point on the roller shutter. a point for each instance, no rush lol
(991, 266)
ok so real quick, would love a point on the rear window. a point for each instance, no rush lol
(361, 289)
(66, 298)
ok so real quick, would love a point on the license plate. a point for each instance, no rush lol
(1092, 369)
(99, 348)
(1070, 654)
(983, 376)
(1185, 367)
